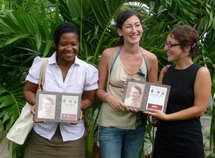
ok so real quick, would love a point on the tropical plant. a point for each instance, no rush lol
(24, 37)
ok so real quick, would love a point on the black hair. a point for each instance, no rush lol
(139, 89)
(121, 18)
(64, 28)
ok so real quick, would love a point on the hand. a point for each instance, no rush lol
(115, 103)
(162, 73)
(157, 113)
(125, 84)
(132, 110)
(72, 123)
(33, 112)
(165, 68)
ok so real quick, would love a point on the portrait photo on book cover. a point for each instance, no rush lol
(134, 94)
(46, 106)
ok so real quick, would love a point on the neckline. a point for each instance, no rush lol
(127, 70)
(183, 69)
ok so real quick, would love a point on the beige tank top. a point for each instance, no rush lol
(117, 76)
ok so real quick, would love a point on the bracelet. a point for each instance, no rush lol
(104, 96)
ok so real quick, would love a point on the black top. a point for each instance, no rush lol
(176, 139)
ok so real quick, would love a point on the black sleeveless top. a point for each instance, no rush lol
(179, 139)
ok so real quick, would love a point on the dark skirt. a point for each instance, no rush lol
(179, 139)
(39, 147)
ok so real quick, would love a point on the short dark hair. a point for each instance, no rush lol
(186, 36)
(139, 89)
(121, 18)
(65, 28)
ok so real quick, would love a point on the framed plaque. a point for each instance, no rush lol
(144, 96)
(157, 97)
(133, 96)
(57, 107)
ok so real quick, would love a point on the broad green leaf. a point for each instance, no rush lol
(15, 39)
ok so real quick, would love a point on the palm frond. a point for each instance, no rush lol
(11, 102)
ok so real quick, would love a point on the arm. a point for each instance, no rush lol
(29, 92)
(87, 99)
(162, 72)
(101, 93)
(202, 91)
(103, 74)
(153, 68)
(32, 78)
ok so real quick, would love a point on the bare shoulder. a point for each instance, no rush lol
(203, 78)
(203, 83)
(203, 72)
(149, 55)
(107, 54)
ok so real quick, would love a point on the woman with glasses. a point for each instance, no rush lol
(179, 130)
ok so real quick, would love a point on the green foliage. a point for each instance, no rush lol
(22, 38)
(10, 100)
(212, 136)
(90, 118)
(26, 31)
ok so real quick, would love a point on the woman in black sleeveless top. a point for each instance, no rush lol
(179, 130)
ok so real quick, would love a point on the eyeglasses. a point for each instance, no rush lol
(170, 45)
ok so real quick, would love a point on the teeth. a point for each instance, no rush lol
(133, 36)
(69, 54)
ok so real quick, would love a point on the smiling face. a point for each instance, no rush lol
(68, 47)
(131, 30)
(175, 53)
